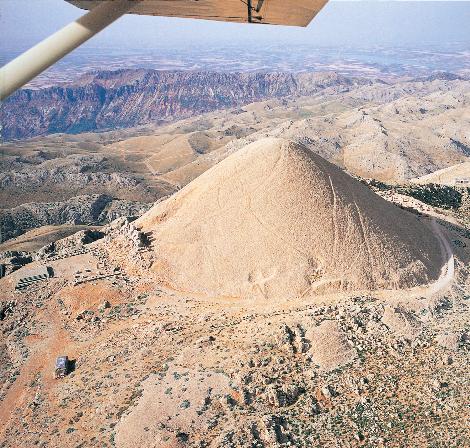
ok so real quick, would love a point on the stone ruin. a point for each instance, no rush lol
(11, 261)
(124, 226)
(70, 244)
(33, 276)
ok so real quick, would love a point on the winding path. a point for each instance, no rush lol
(448, 270)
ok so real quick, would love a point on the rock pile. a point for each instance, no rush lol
(275, 220)
(73, 243)
(10, 261)
(125, 227)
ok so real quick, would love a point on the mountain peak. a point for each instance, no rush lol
(276, 221)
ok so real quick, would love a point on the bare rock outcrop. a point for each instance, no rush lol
(86, 209)
(125, 98)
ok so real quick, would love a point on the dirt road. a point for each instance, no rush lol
(448, 270)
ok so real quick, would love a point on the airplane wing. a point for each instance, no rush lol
(102, 13)
(273, 12)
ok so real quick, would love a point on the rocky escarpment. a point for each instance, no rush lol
(125, 98)
(42, 178)
(86, 209)
(42, 167)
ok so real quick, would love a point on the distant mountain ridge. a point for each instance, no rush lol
(125, 98)
(440, 76)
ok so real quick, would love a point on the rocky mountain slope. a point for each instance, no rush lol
(391, 132)
(163, 368)
(44, 175)
(275, 220)
(448, 176)
(86, 209)
(393, 141)
(126, 98)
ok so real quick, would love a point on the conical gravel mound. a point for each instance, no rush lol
(277, 221)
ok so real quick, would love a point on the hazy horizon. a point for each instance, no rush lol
(364, 38)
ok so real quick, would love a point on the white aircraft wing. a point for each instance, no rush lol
(274, 12)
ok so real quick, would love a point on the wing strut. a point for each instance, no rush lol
(251, 8)
(28, 65)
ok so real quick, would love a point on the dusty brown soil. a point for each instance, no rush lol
(159, 367)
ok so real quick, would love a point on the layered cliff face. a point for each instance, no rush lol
(125, 98)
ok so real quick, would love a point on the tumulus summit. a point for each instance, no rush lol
(275, 220)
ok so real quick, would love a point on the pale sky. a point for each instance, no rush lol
(25, 22)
